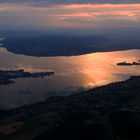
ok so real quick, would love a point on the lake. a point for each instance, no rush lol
(72, 74)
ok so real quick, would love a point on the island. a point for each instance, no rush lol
(110, 112)
(128, 64)
(8, 76)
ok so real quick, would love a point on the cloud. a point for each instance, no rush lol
(24, 16)
(54, 2)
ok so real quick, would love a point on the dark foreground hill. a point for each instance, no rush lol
(110, 112)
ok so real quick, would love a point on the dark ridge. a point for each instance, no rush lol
(110, 112)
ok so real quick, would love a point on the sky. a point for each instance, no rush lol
(69, 14)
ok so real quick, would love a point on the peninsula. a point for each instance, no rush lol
(128, 64)
(9, 76)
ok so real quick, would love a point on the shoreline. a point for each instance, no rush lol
(72, 55)
(86, 93)
(79, 53)
(45, 116)
(9, 76)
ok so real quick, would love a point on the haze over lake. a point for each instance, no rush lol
(69, 69)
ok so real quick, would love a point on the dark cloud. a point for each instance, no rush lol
(49, 2)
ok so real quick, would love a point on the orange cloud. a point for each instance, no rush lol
(104, 6)
(94, 12)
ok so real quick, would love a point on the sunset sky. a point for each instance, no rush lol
(53, 14)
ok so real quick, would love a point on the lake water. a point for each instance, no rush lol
(71, 74)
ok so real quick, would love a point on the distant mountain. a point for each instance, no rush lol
(67, 45)
(55, 45)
